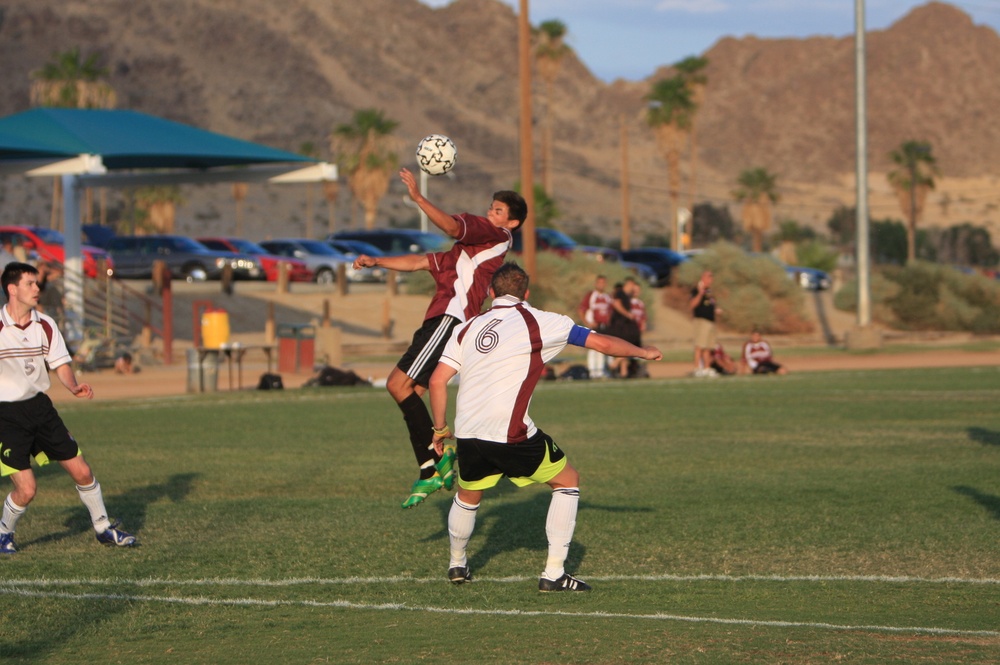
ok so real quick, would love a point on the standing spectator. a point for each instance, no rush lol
(6, 252)
(758, 356)
(637, 306)
(704, 310)
(595, 311)
(461, 278)
(623, 324)
(501, 355)
(50, 300)
(30, 424)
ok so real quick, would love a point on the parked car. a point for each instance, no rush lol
(353, 248)
(186, 258)
(661, 260)
(298, 271)
(49, 245)
(322, 259)
(642, 272)
(547, 240)
(811, 279)
(394, 242)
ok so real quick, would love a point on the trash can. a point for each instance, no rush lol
(203, 376)
(214, 328)
(296, 347)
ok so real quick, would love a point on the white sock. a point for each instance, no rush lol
(559, 527)
(94, 500)
(461, 522)
(11, 514)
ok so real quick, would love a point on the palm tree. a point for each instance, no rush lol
(364, 151)
(240, 190)
(66, 81)
(548, 55)
(331, 190)
(757, 191)
(690, 69)
(669, 112)
(156, 207)
(912, 181)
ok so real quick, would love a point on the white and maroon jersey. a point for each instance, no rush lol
(597, 308)
(463, 273)
(24, 353)
(757, 353)
(501, 355)
(638, 310)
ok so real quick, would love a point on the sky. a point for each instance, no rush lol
(629, 39)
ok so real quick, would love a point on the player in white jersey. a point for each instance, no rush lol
(30, 426)
(501, 355)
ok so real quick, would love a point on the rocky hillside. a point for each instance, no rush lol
(285, 73)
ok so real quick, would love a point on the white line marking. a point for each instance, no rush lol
(343, 604)
(231, 581)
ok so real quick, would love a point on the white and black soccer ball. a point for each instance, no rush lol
(436, 154)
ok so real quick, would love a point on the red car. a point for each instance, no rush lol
(48, 245)
(297, 270)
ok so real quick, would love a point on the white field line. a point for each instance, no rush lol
(295, 581)
(341, 604)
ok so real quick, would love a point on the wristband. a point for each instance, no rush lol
(443, 433)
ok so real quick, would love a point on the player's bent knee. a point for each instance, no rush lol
(568, 477)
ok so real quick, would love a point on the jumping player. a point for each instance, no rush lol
(462, 278)
(30, 426)
(501, 356)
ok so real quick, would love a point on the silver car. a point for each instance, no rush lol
(322, 259)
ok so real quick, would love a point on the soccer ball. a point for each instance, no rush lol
(436, 154)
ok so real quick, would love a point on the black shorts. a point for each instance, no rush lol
(766, 367)
(31, 428)
(481, 464)
(425, 350)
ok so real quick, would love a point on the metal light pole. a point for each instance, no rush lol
(527, 157)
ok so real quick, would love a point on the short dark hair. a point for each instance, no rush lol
(510, 280)
(12, 274)
(516, 206)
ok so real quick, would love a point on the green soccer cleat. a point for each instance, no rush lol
(446, 467)
(422, 489)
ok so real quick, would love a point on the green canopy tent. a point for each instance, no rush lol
(117, 148)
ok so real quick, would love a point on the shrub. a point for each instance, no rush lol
(926, 296)
(753, 291)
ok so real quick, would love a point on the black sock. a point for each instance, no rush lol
(418, 422)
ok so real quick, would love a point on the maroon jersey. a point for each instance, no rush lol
(463, 273)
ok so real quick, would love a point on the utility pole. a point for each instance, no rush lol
(626, 222)
(527, 156)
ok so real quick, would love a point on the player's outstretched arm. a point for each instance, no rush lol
(402, 263)
(615, 346)
(439, 217)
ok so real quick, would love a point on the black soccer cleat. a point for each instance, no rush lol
(565, 583)
(459, 575)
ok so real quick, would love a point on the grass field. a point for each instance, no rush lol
(848, 516)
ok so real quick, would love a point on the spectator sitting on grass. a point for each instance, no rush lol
(758, 356)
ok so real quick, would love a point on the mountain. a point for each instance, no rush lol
(286, 73)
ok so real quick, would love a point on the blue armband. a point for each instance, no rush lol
(578, 335)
